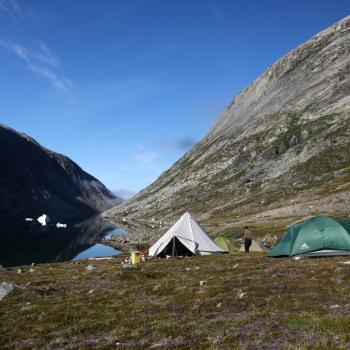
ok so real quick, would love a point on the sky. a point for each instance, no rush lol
(126, 87)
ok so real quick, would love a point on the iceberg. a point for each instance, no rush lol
(43, 219)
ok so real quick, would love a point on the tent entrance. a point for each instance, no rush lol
(175, 248)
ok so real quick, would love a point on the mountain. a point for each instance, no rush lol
(35, 180)
(281, 149)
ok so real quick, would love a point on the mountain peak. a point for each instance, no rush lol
(35, 180)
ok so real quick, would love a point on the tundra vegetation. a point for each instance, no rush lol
(231, 301)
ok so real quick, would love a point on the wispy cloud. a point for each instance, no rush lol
(147, 159)
(217, 12)
(140, 146)
(41, 61)
(154, 159)
(182, 144)
(12, 9)
(221, 17)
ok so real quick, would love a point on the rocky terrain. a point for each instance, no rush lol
(35, 180)
(279, 151)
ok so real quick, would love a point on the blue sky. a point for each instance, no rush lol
(125, 87)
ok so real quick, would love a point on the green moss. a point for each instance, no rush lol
(311, 322)
(330, 159)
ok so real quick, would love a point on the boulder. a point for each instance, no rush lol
(130, 267)
(5, 289)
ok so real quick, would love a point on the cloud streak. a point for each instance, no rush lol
(12, 9)
(147, 159)
(218, 13)
(40, 61)
(153, 159)
(174, 145)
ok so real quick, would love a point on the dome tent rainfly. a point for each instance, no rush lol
(226, 245)
(185, 237)
(317, 236)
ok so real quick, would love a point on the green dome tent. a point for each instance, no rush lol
(225, 244)
(318, 236)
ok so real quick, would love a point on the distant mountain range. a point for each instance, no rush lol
(281, 149)
(124, 193)
(35, 180)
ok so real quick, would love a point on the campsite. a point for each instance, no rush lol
(174, 175)
(206, 300)
(226, 301)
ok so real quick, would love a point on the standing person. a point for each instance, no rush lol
(247, 237)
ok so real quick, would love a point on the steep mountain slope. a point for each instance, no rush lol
(280, 149)
(35, 180)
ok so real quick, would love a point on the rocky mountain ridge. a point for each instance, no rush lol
(36, 180)
(281, 149)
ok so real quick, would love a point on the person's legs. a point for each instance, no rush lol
(247, 244)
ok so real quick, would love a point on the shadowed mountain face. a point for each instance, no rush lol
(280, 149)
(35, 180)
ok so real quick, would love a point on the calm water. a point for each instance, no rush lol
(24, 242)
(96, 250)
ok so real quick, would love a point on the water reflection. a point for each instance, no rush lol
(27, 242)
(96, 250)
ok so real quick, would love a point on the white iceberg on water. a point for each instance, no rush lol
(43, 219)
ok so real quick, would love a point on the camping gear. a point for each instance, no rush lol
(184, 238)
(254, 247)
(144, 255)
(135, 258)
(317, 236)
(225, 244)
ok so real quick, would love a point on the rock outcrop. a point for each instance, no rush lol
(35, 180)
(280, 149)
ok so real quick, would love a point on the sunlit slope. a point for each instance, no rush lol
(280, 149)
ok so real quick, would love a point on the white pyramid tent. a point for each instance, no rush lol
(186, 237)
(255, 247)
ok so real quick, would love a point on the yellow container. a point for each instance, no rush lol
(135, 258)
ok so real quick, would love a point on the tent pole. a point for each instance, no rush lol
(174, 247)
